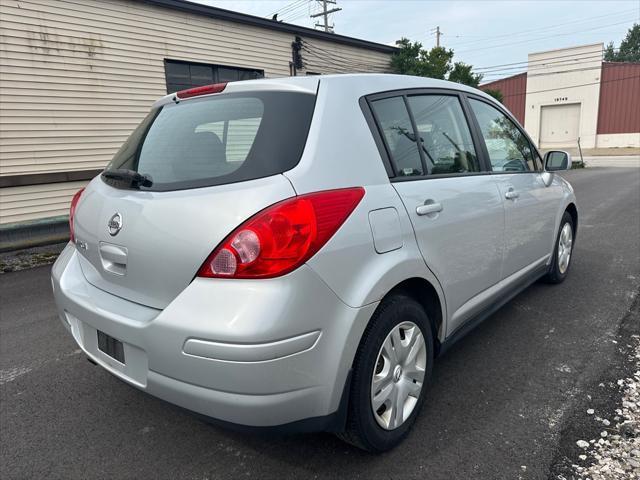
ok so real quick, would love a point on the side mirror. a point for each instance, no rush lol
(556, 161)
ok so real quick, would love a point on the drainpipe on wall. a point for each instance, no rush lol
(296, 56)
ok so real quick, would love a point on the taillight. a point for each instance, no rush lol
(205, 90)
(72, 213)
(282, 237)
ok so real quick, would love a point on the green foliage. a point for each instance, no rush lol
(497, 94)
(436, 63)
(629, 50)
(405, 61)
(412, 59)
(461, 73)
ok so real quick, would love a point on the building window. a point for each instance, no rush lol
(182, 75)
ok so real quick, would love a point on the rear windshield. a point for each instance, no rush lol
(217, 140)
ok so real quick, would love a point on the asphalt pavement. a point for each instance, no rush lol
(505, 402)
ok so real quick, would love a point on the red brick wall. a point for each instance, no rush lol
(514, 91)
(619, 109)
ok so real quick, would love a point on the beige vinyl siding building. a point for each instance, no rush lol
(77, 76)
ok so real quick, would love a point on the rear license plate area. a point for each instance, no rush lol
(111, 346)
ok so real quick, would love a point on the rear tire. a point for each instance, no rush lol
(563, 251)
(391, 374)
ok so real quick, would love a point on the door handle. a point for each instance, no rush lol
(511, 194)
(430, 207)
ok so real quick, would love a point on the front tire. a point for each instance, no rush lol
(559, 268)
(390, 374)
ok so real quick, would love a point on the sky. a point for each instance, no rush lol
(485, 34)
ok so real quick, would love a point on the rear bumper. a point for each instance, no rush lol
(255, 353)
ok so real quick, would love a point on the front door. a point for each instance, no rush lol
(529, 204)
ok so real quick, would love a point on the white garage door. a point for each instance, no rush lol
(559, 126)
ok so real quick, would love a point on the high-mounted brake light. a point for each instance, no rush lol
(206, 90)
(72, 213)
(283, 236)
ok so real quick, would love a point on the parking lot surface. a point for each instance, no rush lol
(505, 401)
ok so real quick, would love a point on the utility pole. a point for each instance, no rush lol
(325, 13)
(438, 36)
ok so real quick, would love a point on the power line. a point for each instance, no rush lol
(550, 27)
(542, 38)
(328, 60)
(322, 50)
(540, 61)
(287, 8)
(323, 60)
(321, 55)
(300, 10)
(537, 29)
(573, 86)
(543, 66)
(560, 71)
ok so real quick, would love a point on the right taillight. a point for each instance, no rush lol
(72, 213)
(282, 237)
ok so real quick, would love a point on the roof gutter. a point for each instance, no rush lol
(255, 21)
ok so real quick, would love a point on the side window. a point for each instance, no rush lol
(445, 135)
(509, 150)
(395, 125)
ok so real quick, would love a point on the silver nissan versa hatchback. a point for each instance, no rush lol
(292, 254)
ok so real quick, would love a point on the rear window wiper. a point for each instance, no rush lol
(128, 177)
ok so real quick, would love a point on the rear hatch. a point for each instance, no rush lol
(187, 176)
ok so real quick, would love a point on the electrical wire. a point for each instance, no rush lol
(540, 61)
(573, 86)
(544, 67)
(287, 8)
(541, 38)
(551, 27)
(537, 29)
(315, 49)
(300, 11)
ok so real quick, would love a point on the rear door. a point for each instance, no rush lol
(454, 206)
(530, 206)
(212, 162)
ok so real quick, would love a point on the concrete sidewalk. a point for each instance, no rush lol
(617, 161)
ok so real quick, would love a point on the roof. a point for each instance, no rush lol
(358, 84)
(220, 13)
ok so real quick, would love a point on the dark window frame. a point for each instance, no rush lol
(504, 111)
(374, 126)
(214, 68)
(221, 180)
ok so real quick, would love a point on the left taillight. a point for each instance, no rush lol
(72, 213)
(283, 236)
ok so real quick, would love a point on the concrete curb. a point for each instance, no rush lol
(20, 235)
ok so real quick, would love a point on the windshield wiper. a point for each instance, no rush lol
(129, 177)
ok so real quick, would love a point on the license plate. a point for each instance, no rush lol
(112, 347)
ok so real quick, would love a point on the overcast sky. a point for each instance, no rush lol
(482, 33)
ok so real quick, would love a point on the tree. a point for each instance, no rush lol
(406, 60)
(412, 59)
(629, 50)
(436, 63)
(462, 73)
(495, 93)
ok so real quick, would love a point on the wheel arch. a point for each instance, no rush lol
(424, 292)
(573, 211)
